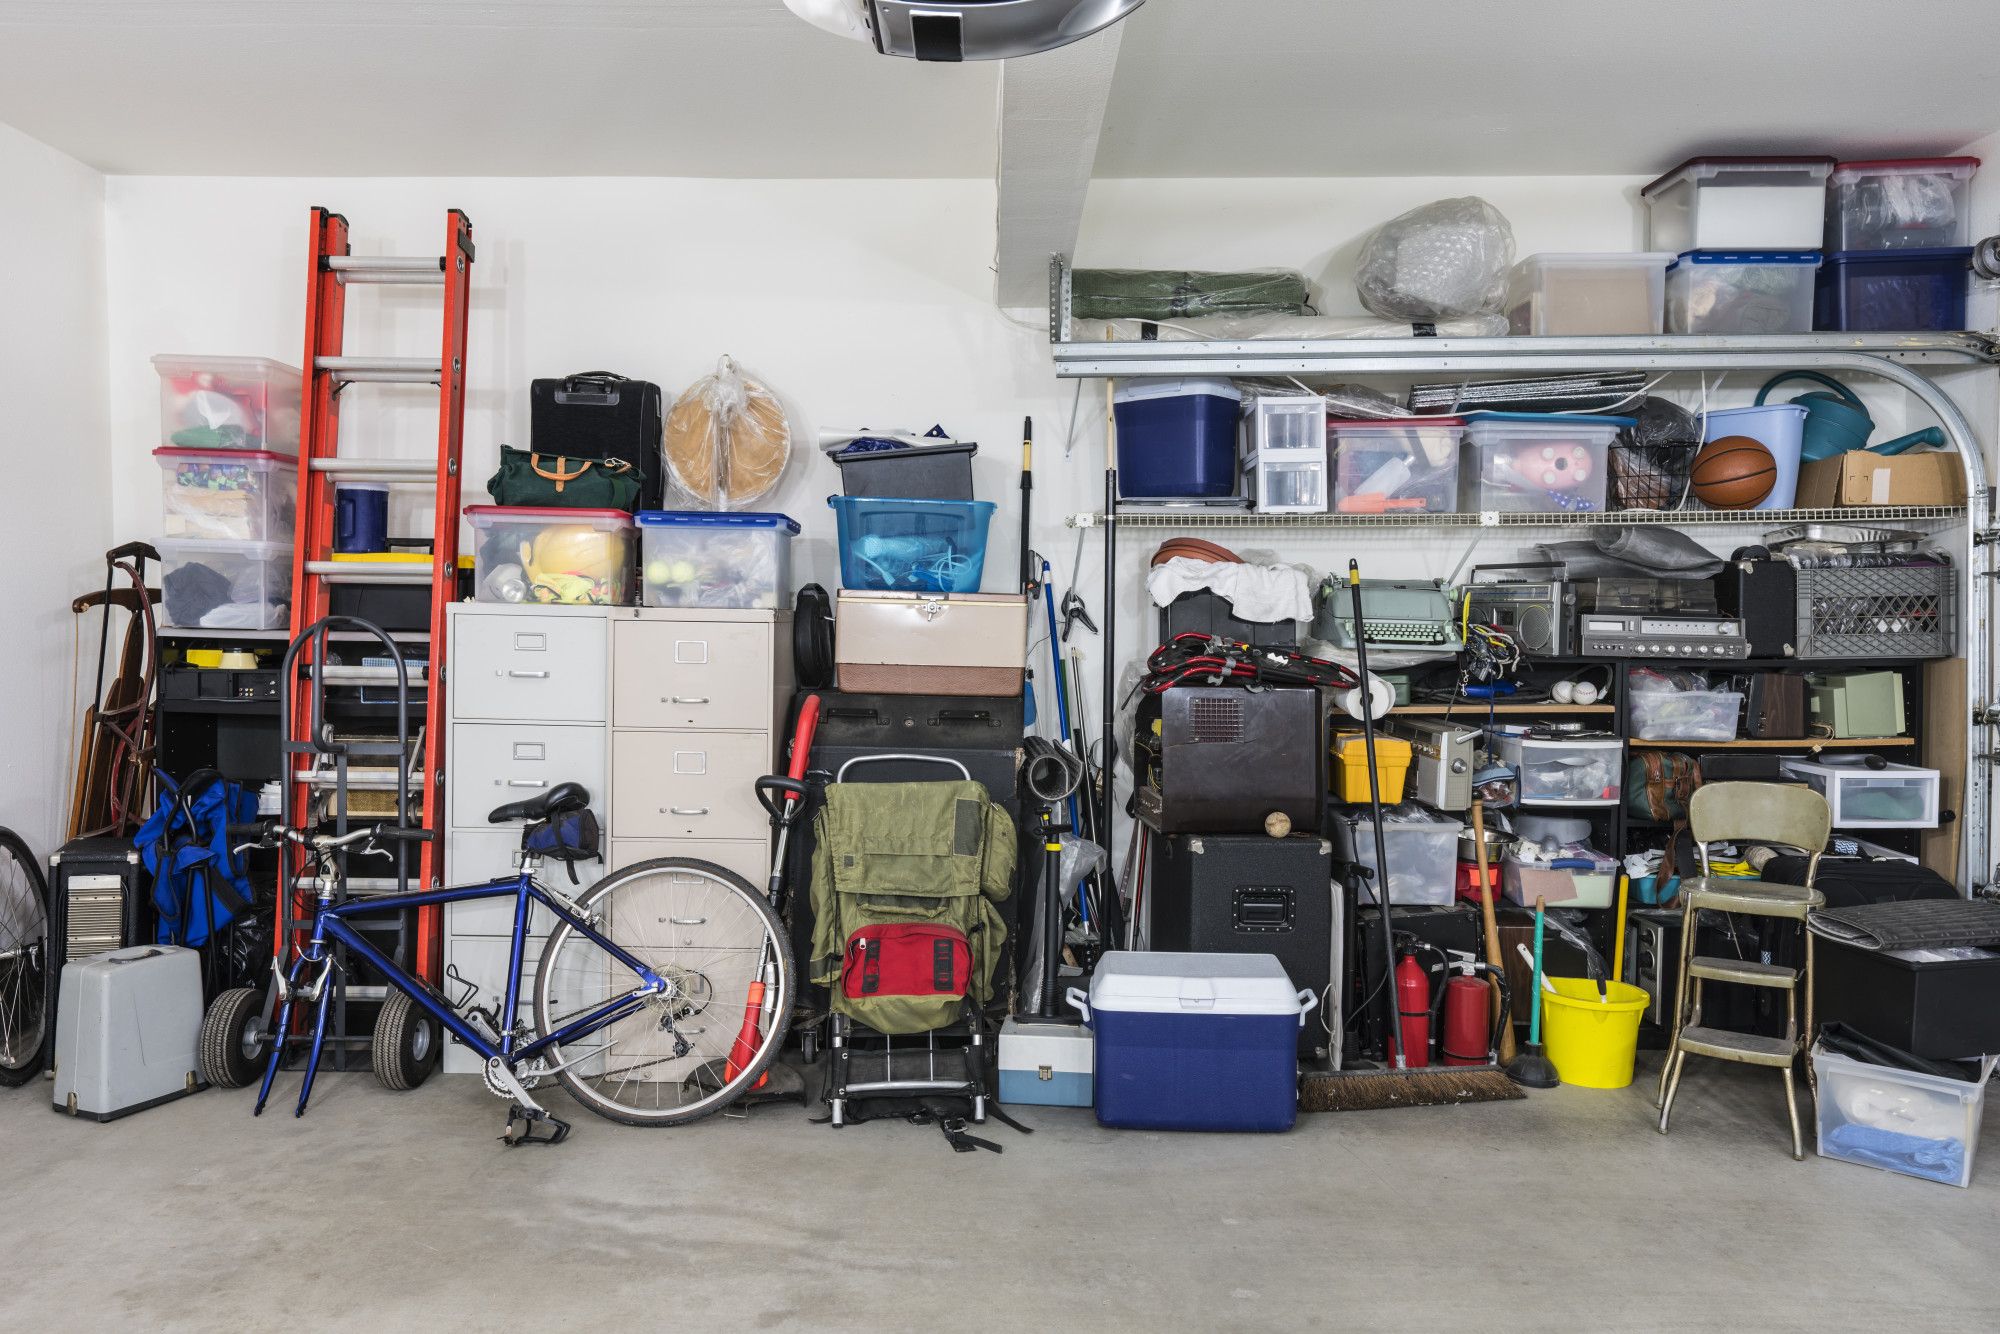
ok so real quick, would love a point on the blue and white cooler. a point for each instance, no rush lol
(1195, 1041)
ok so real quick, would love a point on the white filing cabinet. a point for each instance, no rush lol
(668, 716)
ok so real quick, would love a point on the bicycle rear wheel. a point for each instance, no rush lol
(715, 940)
(24, 957)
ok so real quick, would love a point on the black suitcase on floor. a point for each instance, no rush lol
(599, 415)
(1850, 882)
(1250, 894)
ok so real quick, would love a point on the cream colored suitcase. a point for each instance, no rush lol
(931, 643)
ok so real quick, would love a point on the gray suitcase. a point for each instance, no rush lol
(126, 1031)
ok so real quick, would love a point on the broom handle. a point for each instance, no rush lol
(1535, 1015)
(1493, 955)
(1392, 1044)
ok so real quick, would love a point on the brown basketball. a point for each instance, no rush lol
(1734, 473)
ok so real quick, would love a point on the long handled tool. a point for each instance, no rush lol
(1356, 1090)
(1531, 1067)
(1492, 926)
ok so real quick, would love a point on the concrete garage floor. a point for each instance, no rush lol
(383, 1211)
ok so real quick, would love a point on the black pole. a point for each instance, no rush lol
(1392, 1041)
(1108, 693)
(1027, 496)
(1052, 915)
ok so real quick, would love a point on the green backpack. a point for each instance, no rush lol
(557, 481)
(905, 877)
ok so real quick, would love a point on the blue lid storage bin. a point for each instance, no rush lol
(911, 546)
(703, 559)
(1741, 292)
(1896, 290)
(1176, 437)
(908, 472)
(1195, 1041)
(1535, 462)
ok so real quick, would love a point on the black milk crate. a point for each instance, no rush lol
(1904, 611)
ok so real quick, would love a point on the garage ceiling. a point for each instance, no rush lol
(1203, 87)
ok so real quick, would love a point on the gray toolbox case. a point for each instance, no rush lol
(98, 900)
(127, 1031)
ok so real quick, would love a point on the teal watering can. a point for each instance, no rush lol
(1837, 423)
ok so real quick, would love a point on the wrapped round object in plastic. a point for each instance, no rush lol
(727, 440)
(1445, 260)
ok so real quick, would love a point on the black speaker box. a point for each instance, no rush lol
(1763, 594)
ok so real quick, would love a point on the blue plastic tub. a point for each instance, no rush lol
(912, 546)
(1176, 437)
(1780, 428)
(1899, 290)
(1195, 1041)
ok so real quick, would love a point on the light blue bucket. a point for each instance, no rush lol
(1780, 428)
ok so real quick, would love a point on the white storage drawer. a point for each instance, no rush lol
(538, 668)
(1566, 771)
(689, 784)
(488, 855)
(1901, 796)
(491, 764)
(482, 962)
(706, 674)
(750, 859)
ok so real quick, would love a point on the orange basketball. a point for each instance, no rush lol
(1734, 473)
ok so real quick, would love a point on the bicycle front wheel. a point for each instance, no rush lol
(716, 942)
(24, 958)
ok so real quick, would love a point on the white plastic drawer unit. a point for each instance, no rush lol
(699, 674)
(689, 785)
(1564, 771)
(1900, 796)
(496, 763)
(532, 667)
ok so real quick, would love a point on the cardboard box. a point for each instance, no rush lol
(1861, 478)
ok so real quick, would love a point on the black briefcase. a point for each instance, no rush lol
(599, 415)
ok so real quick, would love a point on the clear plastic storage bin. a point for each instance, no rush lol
(1741, 292)
(1901, 796)
(912, 546)
(1909, 204)
(1521, 883)
(1899, 1120)
(1564, 771)
(525, 554)
(1422, 847)
(1738, 203)
(228, 403)
(1684, 715)
(1587, 294)
(229, 495)
(226, 585)
(1535, 462)
(1409, 465)
(689, 559)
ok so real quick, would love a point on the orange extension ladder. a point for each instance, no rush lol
(329, 371)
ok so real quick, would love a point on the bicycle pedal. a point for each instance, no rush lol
(527, 1119)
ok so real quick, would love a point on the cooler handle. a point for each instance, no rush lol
(1080, 1001)
(1307, 999)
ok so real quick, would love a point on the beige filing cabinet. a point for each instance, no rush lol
(526, 687)
(698, 698)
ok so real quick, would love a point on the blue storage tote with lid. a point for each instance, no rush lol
(1895, 290)
(1535, 462)
(1194, 1041)
(696, 558)
(1741, 291)
(911, 546)
(1176, 437)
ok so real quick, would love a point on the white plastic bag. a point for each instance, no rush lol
(727, 441)
(1445, 260)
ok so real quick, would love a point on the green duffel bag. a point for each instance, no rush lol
(557, 481)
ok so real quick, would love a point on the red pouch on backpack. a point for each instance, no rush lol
(906, 959)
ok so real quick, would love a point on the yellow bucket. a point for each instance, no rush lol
(1591, 1043)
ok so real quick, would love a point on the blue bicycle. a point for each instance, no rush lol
(664, 990)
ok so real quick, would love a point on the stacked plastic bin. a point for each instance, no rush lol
(1745, 235)
(1899, 243)
(228, 457)
(908, 522)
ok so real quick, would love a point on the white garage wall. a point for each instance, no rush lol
(55, 457)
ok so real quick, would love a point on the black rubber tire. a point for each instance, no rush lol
(233, 1046)
(29, 981)
(407, 1043)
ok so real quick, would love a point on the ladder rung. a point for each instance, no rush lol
(367, 572)
(326, 780)
(418, 470)
(389, 370)
(402, 279)
(334, 675)
(387, 263)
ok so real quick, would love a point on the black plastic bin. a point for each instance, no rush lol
(1947, 1010)
(920, 472)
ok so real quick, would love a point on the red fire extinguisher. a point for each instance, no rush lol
(1466, 1038)
(1413, 1005)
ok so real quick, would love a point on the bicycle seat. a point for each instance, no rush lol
(558, 799)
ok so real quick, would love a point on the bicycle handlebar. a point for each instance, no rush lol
(269, 833)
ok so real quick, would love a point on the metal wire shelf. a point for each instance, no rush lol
(1873, 515)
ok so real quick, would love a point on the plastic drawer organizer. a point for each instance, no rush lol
(228, 495)
(1898, 1120)
(551, 555)
(1422, 848)
(1901, 796)
(1535, 463)
(228, 403)
(1408, 466)
(1284, 454)
(1557, 770)
(692, 559)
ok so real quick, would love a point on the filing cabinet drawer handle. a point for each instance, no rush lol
(684, 810)
(686, 699)
(527, 782)
(529, 676)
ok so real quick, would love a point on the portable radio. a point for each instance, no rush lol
(1537, 614)
(1446, 756)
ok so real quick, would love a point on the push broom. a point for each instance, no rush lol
(1402, 1086)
